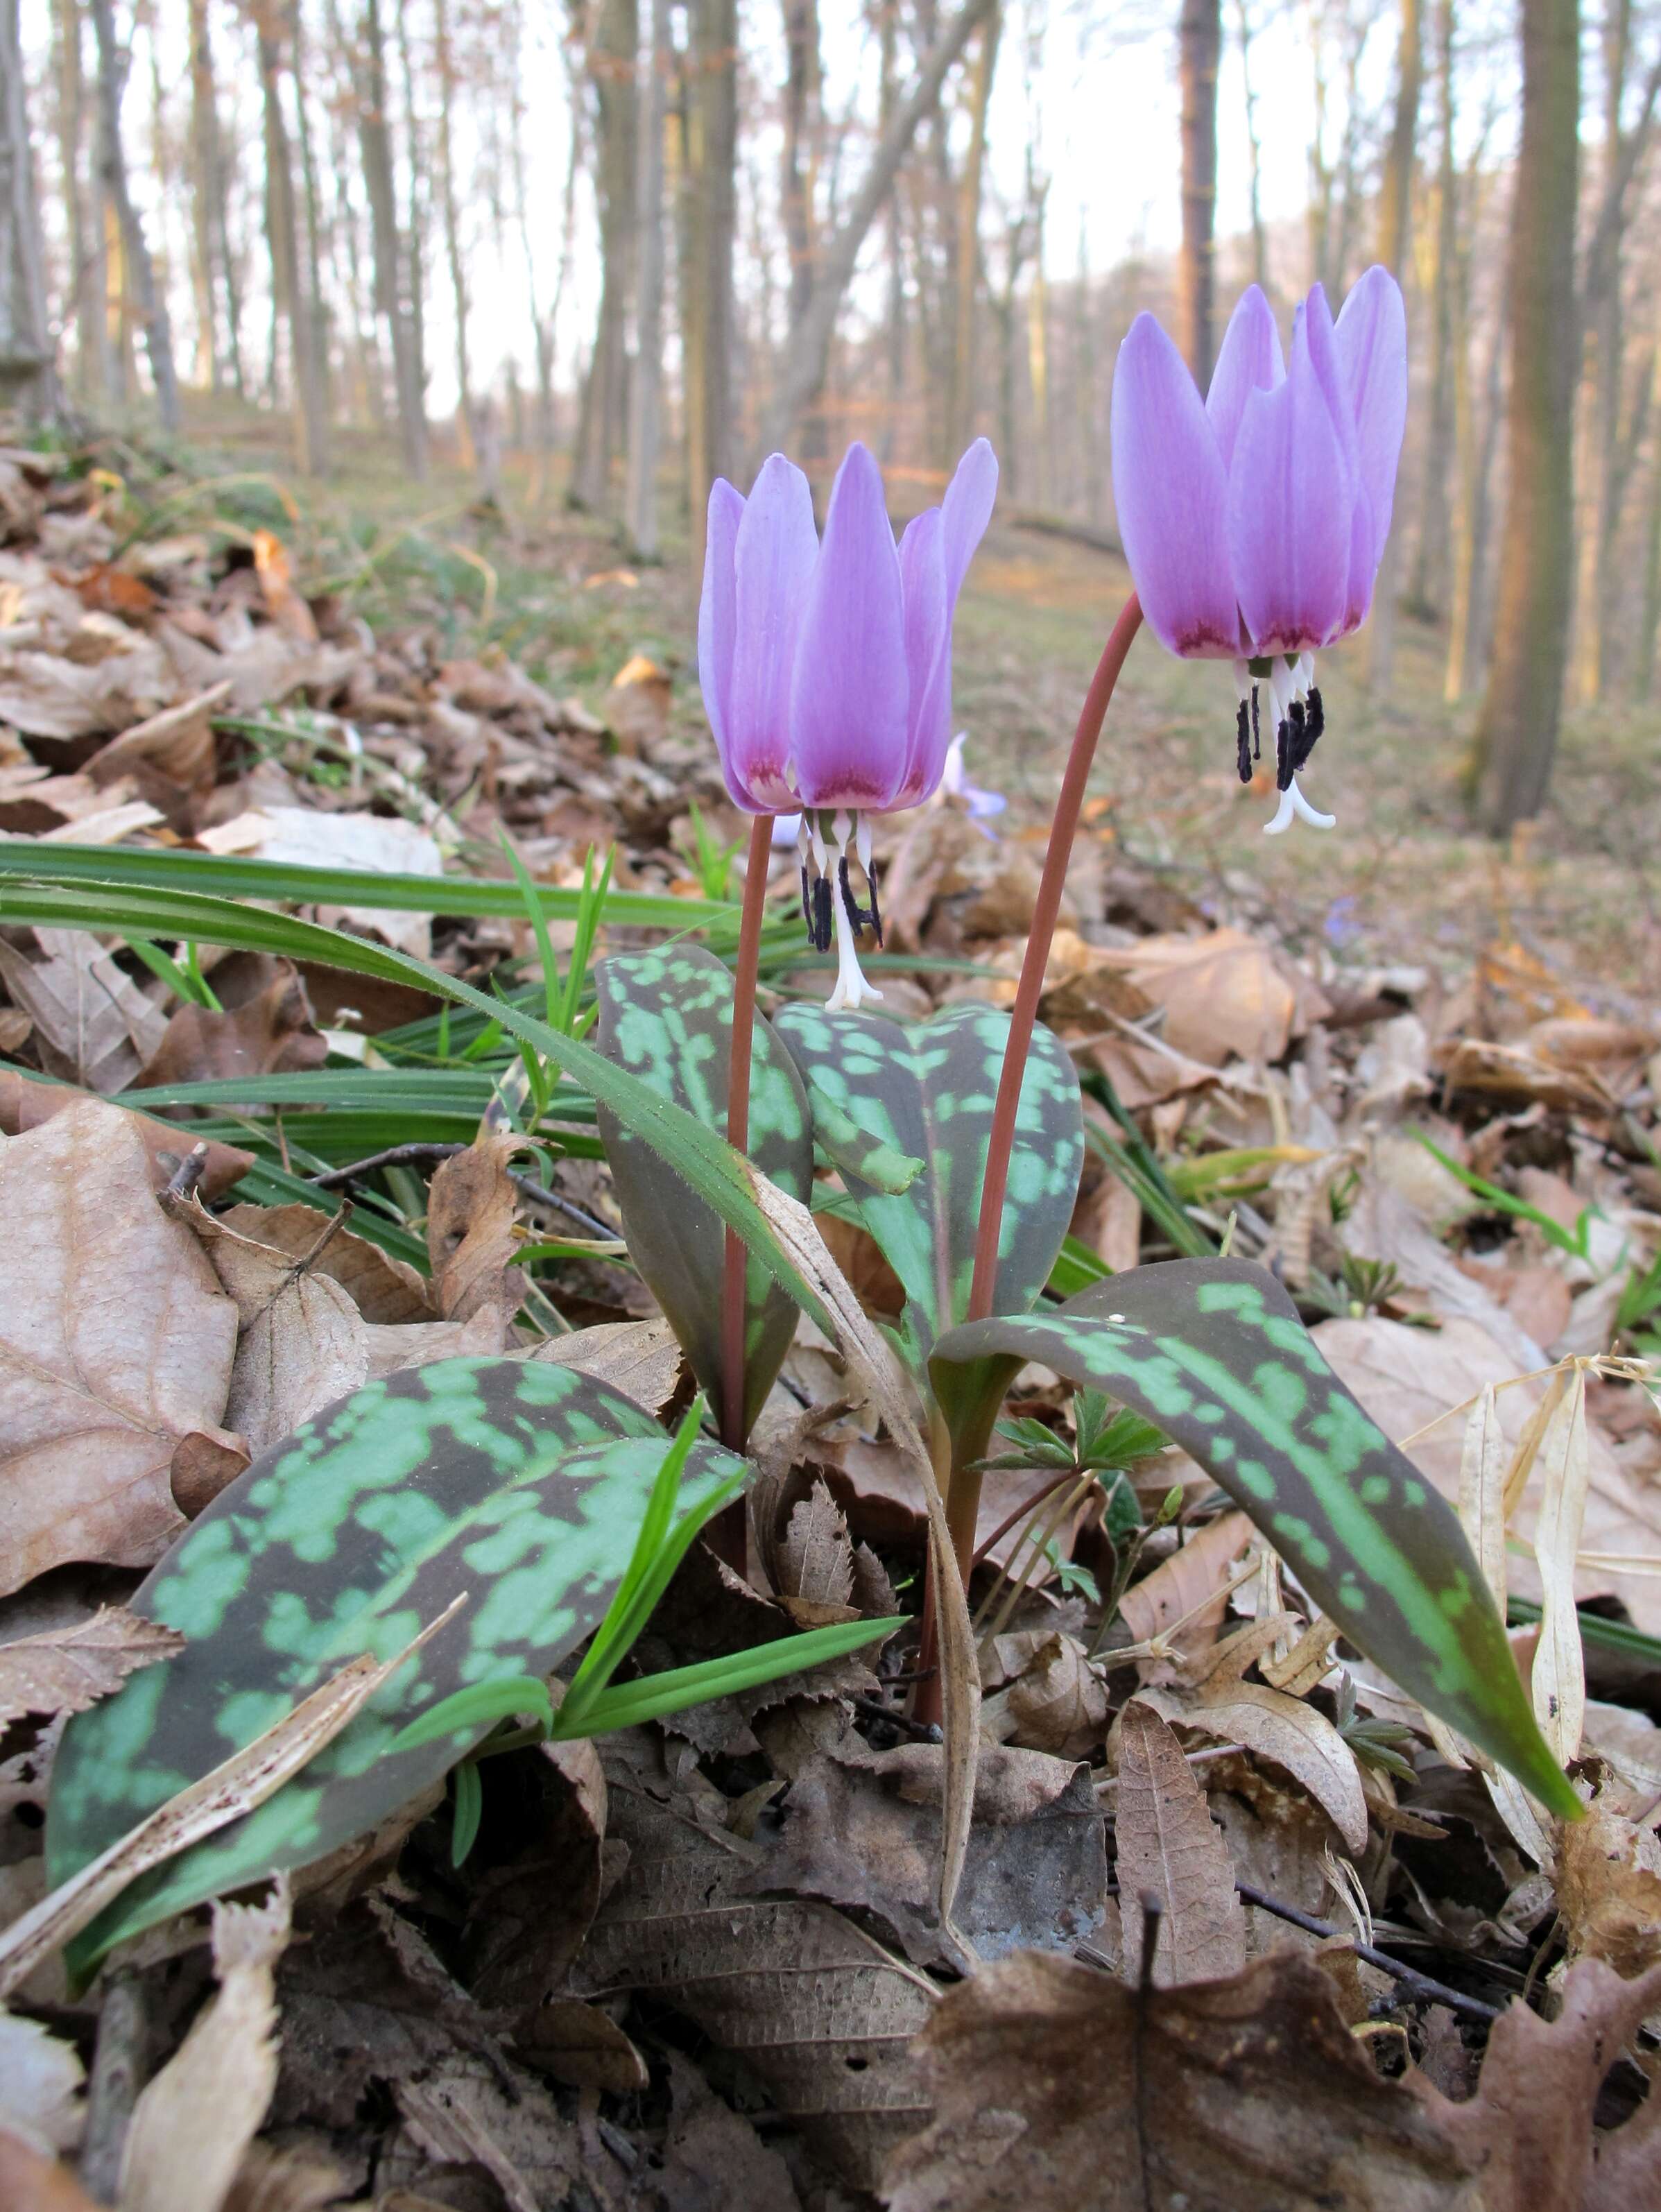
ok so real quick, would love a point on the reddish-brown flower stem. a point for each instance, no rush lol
(963, 1498)
(728, 1531)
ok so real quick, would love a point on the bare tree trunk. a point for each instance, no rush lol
(709, 225)
(1199, 51)
(1430, 556)
(1517, 736)
(896, 233)
(28, 379)
(959, 407)
(1085, 482)
(646, 389)
(801, 372)
(414, 232)
(93, 369)
(289, 294)
(1469, 621)
(466, 418)
(1038, 353)
(803, 90)
(316, 313)
(1395, 235)
(1320, 173)
(387, 245)
(112, 64)
(1253, 149)
(612, 53)
(1643, 674)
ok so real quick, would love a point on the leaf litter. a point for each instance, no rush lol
(715, 1954)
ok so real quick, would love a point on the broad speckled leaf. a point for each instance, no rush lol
(929, 1090)
(1213, 1352)
(519, 1483)
(666, 1018)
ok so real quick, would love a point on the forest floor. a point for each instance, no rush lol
(700, 1959)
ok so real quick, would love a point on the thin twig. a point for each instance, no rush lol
(1423, 1988)
(416, 1155)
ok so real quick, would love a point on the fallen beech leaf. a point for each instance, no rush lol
(1564, 1461)
(1056, 2087)
(470, 1229)
(583, 2047)
(815, 1563)
(1168, 1848)
(200, 1468)
(370, 842)
(1225, 995)
(45, 696)
(1609, 1891)
(25, 1104)
(713, 2155)
(212, 2094)
(115, 1341)
(468, 2112)
(267, 1035)
(1184, 1600)
(382, 1289)
(67, 1670)
(1054, 1698)
(641, 1358)
(92, 1023)
(177, 743)
(392, 1347)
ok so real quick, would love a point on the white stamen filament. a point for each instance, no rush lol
(1293, 803)
(1243, 681)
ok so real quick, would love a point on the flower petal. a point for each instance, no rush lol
(717, 625)
(1329, 371)
(966, 511)
(1289, 512)
(924, 578)
(849, 698)
(1249, 360)
(774, 562)
(1171, 489)
(1371, 348)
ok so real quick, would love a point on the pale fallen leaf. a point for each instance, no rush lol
(1168, 1849)
(115, 1342)
(1184, 1600)
(1609, 1891)
(370, 843)
(464, 2114)
(1056, 1701)
(177, 743)
(67, 1670)
(212, 2094)
(25, 1104)
(815, 1563)
(42, 2080)
(1560, 1666)
(641, 1358)
(1225, 995)
(470, 1229)
(92, 1023)
(382, 1289)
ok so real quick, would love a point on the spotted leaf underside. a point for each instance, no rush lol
(666, 1018)
(1213, 1352)
(520, 1485)
(927, 1091)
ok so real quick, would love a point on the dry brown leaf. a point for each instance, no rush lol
(583, 2047)
(371, 842)
(1056, 1700)
(25, 1104)
(45, 696)
(283, 601)
(1564, 1463)
(470, 1229)
(1226, 995)
(1381, 1225)
(382, 1289)
(1055, 2086)
(1409, 1379)
(115, 1342)
(1189, 1588)
(1609, 1891)
(212, 2094)
(67, 1670)
(267, 1035)
(177, 743)
(301, 1343)
(815, 1563)
(641, 1358)
(465, 2112)
(812, 2006)
(92, 1025)
(417, 1343)
(1168, 1849)
(228, 1790)
(1219, 1701)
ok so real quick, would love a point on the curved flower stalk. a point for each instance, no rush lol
(1254, 520)
(826, 667)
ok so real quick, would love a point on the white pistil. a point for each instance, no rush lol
(1293, 802)
(852, 987)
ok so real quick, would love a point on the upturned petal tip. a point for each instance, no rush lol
(1249, 360)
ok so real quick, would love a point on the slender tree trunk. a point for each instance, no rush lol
(802, 374)
(1468, 625)
(1038, 356)
(290, 303)
(1644, 661)
(112, 64)
(646, 389)
(800, 160)
(1199, 51)
(466, 419)
(896, 232)
(316, 312)
(961, 405)
(415, 228)
(1320, 171)
(28, 379)
(1086, 488)
(709, 227)
(1429, 579)
(391, 265)
(1395, 238)
(94, 372)
(1254, 150)
(204, 153)
(612, 59)
(1517, 736)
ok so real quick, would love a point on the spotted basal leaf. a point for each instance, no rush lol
(666, 1018)
(927, 1091)
(1213, 1351)
(521, 1485)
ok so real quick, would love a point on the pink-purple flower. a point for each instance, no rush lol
(1254, 520)
(827, 668)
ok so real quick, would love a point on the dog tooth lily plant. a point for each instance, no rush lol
(1254, 521)
(826, 667)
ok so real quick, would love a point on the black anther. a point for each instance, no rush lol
(1243, 742)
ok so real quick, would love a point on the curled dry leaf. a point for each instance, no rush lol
(1184, 1598)
(115, 1342)
(815, 1563)
(42, 2080)
(1609, 1891)
(269, 1034)
(212, 2094)
(1167, 1848)
(92, 1025)
(382, 1289)
(1055, 2086)
(641, 1358)
(1056, 1700)
(24, 1104)
(470, 1229)
(67, 1670)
